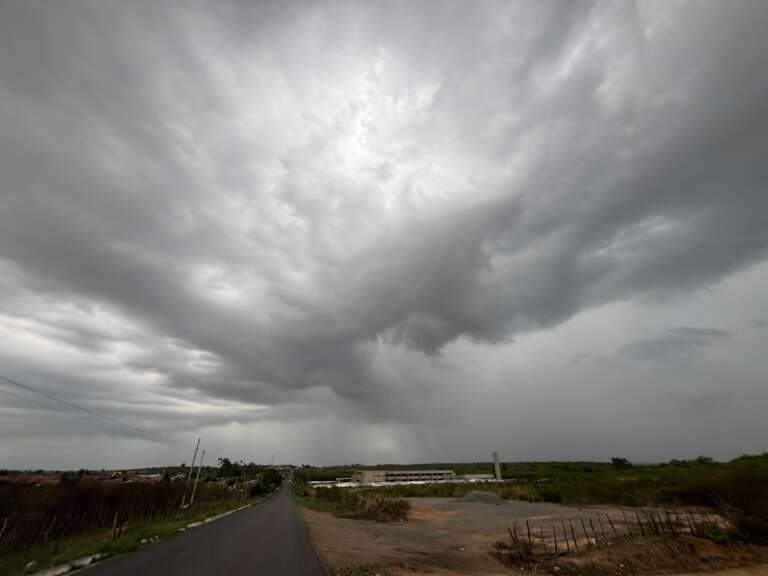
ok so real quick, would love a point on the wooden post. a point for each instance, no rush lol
(189, 474)
(114, 527)
(602, 530)
(528, 529)
(591, 525)
(613, 528)
(565, 535)
(197, 477)
(639, 524)
(573, 535)
(584, 529)
(515, 541)
(660, 518)
(626, 523)
(554, 536)
(669, 521)
(653, 523)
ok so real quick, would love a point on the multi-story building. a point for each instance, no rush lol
(375, 476)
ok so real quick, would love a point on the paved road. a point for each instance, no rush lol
(269, 538)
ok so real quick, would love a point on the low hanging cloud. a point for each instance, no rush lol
(247, 203)
(675, 344)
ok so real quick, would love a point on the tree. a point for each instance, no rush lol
(228, 469)
(621, 463)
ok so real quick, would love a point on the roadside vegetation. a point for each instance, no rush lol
(352, 503)
(73, 515)
(698, 482)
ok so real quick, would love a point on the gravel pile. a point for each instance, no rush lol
(482, 497)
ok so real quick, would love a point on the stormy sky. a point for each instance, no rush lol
(382, 232)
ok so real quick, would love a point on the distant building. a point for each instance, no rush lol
(477, 477)
(383, 476)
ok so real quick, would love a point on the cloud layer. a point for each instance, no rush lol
(212, 213)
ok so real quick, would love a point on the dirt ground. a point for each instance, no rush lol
(442, 535)
(456, 536)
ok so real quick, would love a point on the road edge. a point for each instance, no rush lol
(79, 564)
(312, 540)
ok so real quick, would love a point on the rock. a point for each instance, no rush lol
(30, 567)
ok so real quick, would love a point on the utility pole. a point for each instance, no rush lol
(194, 487)
(189, 474)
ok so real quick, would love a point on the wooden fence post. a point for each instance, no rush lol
(669, 521)
(565, 535)
(602, 530)
(554, 535)
(639, 523)
(528, 529)
(653, 523)
(591, 525)
(584, 528)
(626, 523)
(573, 535)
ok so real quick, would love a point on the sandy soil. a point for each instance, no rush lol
(452, 537)
(442, 536)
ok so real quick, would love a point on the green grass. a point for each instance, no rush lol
(101, 542)
(365, 570)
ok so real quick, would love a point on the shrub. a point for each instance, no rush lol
(712, 531)
(383, 509)
(353, 504)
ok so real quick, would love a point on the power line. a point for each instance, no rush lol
(143, 433)
(27, 399)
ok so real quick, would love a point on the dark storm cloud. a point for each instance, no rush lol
(200, 172)
(675, 344)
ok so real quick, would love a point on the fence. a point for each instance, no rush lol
(562, 536)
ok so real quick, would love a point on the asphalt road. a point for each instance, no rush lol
(269, 538)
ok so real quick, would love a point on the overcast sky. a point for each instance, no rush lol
(383, 232)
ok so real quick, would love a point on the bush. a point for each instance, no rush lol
(352, 504)
(383, 509)
(713, 532)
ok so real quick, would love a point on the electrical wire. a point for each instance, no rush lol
(138, 431)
